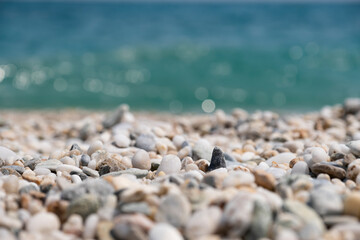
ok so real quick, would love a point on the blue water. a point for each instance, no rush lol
(173, 56)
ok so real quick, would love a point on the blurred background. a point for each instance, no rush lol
(172, 56)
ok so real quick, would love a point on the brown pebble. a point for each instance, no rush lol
(264, 179)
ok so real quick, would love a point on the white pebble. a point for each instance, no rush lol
(141, 160)
(170, 164)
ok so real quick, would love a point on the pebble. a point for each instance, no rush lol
(11, 184)
(169, 164)
(217, 160)
(90, 226)
(95, 146)
(300, 167)
(50, 164)
(42, 171)
(174, 209)
(333, 170)
(7, 156)
(141, 160)
(44, 222)
(85, 160)
(326, 201)
(74, 225)
(203, 222)
(164, 231)
(264, 179)
(202, 150)
(122, 141)
(318, 155)
(354, 147)
(353, 170)
(352, 204)
(139, 173)
(146, 142)
(84, 205)
(90, 172)
(281, 158)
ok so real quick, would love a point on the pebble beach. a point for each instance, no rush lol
(80, 174)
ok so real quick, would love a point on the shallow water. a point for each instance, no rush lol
(174, 56)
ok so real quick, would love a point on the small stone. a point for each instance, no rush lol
(174, 209)
(352, 204)
(127, 231)
(354, 147)
(42, 171)
(353, 170)
(170, 164)
(68, 168)
(95, 146)
(116, 117)
(76, 179)
(202, 150)
(135, 207)
(84, 160)
(164, 231)
(326, 201)
(178, 140)
(90, 226)
(261, 221)
(300, 167)
(75, 147)
(217, 160)
(7, 156)
(122, 141)
(276, 172)
(333, 170)
(74, 225)
(44, 222)
(264, 179)
(50, 164)
(141, 160)
(29, 188)
(312, 225)
(203, 222)
(237, 215)
(32, 163)
(146, 142)
(90, 172)
(338, 219)
(139, 173)
(285, 157)
(16, 168)
(104, 169)
(84, 205)
(11, 184)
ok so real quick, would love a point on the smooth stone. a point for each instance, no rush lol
(333, 170)
(29, 188)
(7, 156)
(237, 215)
(353, 170)
(203, 222)
(217, 160)
(90, 172)
(44, 222)
(76, 179)
(135, 207)
(90, 226)
(312, 225)
(68, 168)
(264, 179)
(339, 219)
(84, 205)
(276, 172)
(85, 160)
(122, 141)
(11, 184)
(141, 160)
(326, 201)
(202, 150)
(139, 173)
(50, 164)
(352, 204)
(300, 167)
(164, 231)
(318, 155)
(238, 178)
(95, 146)
(348, 229)
(92, 164)
(104, 169)
(261, 221)
(174, 209)
(42, 171)
(32, 163)
(146, 142)
(170, 164)
(115, 117)
(16, 168)
(354, 147)
(75, 146)
(247, 156)
(73, 225)
(122, 231)
(285, 157)
(178, 140)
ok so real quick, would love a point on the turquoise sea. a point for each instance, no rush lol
(177, 56)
